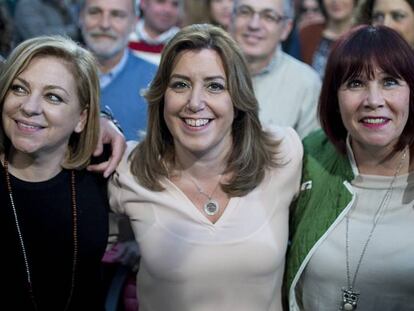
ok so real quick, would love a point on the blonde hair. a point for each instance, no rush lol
(253, 149)
(83, 67)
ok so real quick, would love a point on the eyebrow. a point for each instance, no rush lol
(178, 76)
(48, 87)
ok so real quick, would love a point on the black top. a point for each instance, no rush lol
(44, 211)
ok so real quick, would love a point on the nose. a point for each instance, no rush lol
(254, 22)
(375, 98)
(31, 106)
(388, 21)
(197, 100)
(170, 9)
(105, 22)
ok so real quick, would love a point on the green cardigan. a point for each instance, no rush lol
(322, 198)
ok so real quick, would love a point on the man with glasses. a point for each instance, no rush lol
(287, 89)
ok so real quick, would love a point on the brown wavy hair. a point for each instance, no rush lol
(253, 149)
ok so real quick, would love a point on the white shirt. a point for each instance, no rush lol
(386, 275)
(287, 92)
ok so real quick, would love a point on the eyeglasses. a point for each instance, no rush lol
(268, 16)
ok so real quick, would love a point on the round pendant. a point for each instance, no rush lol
(211, 207)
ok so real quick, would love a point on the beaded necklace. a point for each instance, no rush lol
(21, 240)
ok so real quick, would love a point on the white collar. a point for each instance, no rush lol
(275, 60)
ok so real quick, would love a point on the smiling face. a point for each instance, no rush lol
(374, 111)
(259, 34)
(396, 14)
(106, 25)
(197, 108)
(41, 109)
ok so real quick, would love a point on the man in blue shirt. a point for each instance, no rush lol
(106, 26)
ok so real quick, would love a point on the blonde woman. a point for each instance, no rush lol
(53, 215)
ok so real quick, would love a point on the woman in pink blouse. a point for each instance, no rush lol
(208, 190)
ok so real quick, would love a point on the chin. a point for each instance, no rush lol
(381, 143)
(26, 149)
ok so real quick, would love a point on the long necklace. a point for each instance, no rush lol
(350, 295)
(211, 207)
(21, 240)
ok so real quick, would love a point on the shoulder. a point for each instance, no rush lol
(290, 145)
(302, 72)
(283, 133)
(317, 146)
(317, 143)
(322, 156)
(124, 165)
(90, 179)
(316, 137)
(135, 60)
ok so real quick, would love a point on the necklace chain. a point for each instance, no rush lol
(21, 240)
(350, 291)
(201, 191)
(211, 207)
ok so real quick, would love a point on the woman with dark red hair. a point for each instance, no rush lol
(353, 223)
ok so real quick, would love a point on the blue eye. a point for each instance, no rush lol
(390, 81)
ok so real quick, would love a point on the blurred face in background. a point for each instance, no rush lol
(259, 26)
(310, 9)
(160, 15)
(309, 13)
(106, 25)
(220, 12)
(396, 14)
(339, 10)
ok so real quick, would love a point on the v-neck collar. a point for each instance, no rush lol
(193, 210)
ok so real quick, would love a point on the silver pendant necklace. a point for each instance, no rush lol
(350, 295)
(211, 207)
